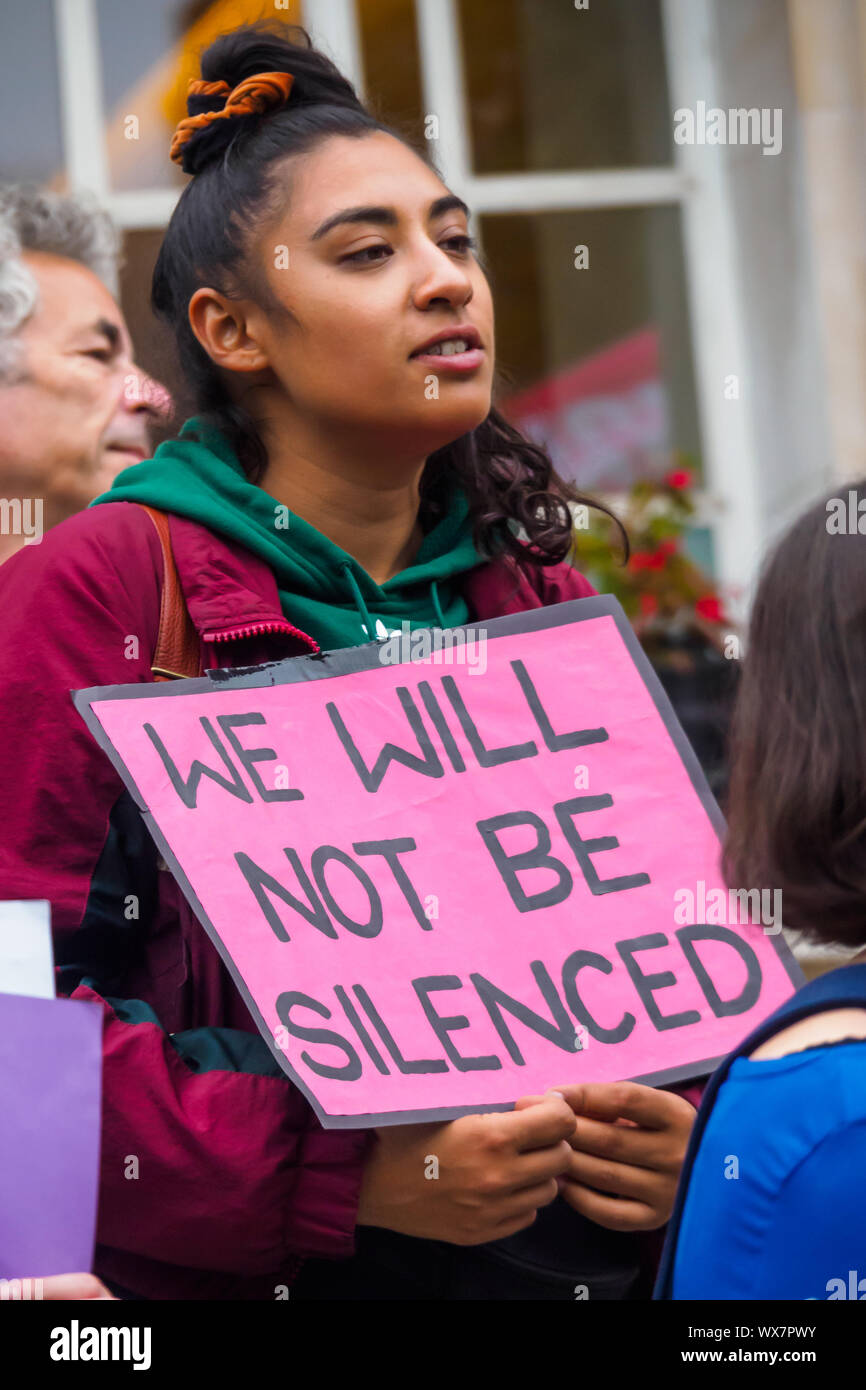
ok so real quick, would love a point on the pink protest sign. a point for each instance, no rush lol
(445, 882)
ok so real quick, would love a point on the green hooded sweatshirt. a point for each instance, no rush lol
(323, 590)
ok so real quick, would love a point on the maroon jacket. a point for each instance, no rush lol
(216, 1177)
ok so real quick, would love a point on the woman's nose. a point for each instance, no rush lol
(443, 278)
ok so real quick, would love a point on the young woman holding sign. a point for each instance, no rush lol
(346, 473)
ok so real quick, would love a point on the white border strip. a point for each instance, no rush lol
(333, 26)
(81, 105)
(603, 188)
(142, 209)
(443, 88)
(730, 455)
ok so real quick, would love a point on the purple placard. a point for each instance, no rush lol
(50, 1093)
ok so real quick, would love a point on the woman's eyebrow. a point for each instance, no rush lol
(386, 216)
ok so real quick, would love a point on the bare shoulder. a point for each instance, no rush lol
(827, 1027)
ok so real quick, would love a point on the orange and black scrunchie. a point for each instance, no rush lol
(260, 93)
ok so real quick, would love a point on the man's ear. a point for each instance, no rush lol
(223, 328)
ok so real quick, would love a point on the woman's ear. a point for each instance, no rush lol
(223, 328)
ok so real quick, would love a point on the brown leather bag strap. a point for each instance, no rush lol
(178, 650)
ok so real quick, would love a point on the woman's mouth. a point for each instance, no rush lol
(450, 355)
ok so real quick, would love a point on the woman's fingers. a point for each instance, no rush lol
(628, 1100)
(529, 1199)
(619, 1179)
(616, 1213)
(542, 1165)
(644, 1148)
(629, 1123)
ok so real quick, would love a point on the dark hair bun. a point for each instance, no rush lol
(245, 52)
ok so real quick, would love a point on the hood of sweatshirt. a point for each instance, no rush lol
(323, 590)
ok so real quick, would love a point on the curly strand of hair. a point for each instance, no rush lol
(509, 476)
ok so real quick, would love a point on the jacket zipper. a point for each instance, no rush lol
(254, 629)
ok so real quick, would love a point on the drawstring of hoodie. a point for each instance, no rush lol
(363, 611)
(434, 594)
(361, 606)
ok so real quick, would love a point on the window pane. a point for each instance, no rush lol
(551, 87)
(136, 50)
(599, 358)
(31, 148)
(389, 53)
(148, 54)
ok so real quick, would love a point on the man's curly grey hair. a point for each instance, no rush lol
(65, 224)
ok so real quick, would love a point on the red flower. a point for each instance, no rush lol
(650, 559)
(641, 560)
(710, 607)
(649, 604)
(667, 548)
(679, 478)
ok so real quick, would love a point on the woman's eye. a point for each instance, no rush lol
(358, 256)
(101, 354)
(370, 254)
(464, 242)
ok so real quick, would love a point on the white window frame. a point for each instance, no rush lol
(729, 502)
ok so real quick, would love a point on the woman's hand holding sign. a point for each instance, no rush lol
(492, 1173)
(627, 1151)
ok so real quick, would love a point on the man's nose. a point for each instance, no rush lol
(144, 393)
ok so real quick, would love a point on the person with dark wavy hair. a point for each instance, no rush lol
(768, 1207)
(346, 474)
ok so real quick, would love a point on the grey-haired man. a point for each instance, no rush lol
(74, 407)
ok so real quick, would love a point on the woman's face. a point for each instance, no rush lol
(367, 264)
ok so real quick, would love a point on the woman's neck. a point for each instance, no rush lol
(368, 511)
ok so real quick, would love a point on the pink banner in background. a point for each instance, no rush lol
(603, 418)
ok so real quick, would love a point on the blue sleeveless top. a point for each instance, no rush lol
(775, 1207)
(769, 1203)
